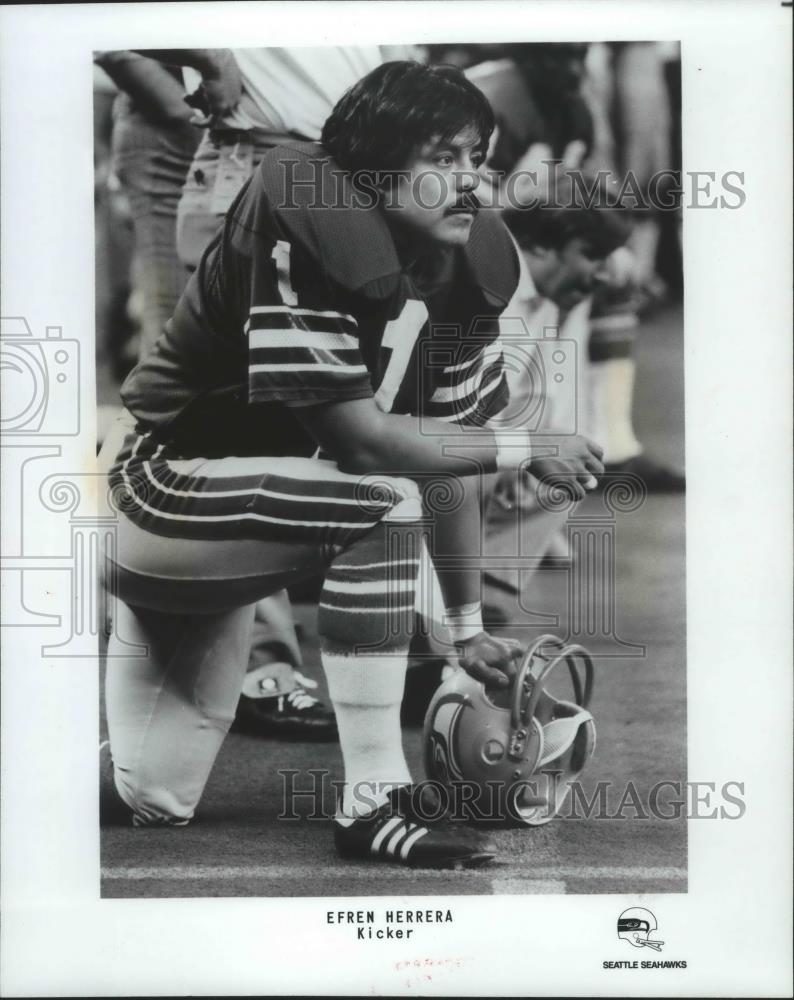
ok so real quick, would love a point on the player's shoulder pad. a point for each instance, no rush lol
(492, 257)
(314, 203)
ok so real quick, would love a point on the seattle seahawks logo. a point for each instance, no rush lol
(636, 925)
(442, 759)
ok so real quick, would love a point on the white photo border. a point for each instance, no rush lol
(734, 924)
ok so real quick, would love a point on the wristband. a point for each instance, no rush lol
(465, 622)
(513, 448)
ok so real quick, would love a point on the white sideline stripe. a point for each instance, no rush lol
(528, 886)
(538, 874)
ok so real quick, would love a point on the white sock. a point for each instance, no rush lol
(611, 392)
(644, 241)
(366, 693)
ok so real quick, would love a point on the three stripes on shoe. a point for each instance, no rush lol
(396, 838)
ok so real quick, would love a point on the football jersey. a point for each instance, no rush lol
(301, 299)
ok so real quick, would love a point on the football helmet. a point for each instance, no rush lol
(512, 753)
(635, 926)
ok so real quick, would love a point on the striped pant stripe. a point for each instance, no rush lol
(284, 499)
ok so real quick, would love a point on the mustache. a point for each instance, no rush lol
(468, 202)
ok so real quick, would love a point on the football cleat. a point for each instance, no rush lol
(399, 832)
(512, 753)
(295, 715)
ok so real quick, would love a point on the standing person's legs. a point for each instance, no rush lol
(197, 218)
(221, 165)
(644, 124)
(152, 162)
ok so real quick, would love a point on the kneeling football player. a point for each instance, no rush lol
(292, 419)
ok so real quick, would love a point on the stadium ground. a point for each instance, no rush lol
(241, 848)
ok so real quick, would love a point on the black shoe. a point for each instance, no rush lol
(113, 810)
(296, 715)
(399, 832)
(657, 478)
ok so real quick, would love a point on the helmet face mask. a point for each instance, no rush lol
(511, 754)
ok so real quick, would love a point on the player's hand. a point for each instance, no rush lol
(220, 88)
(489, 659)
(506, 492)
(568, 462)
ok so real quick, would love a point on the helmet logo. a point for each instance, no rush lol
(442, 741)
(636, 925)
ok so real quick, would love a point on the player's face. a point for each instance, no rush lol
(569, 275)
(433, 199)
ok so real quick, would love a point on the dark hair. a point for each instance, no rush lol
(603, 227)
(396, 108)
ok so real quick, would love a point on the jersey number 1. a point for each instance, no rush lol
(400, 338)
(280, 255)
